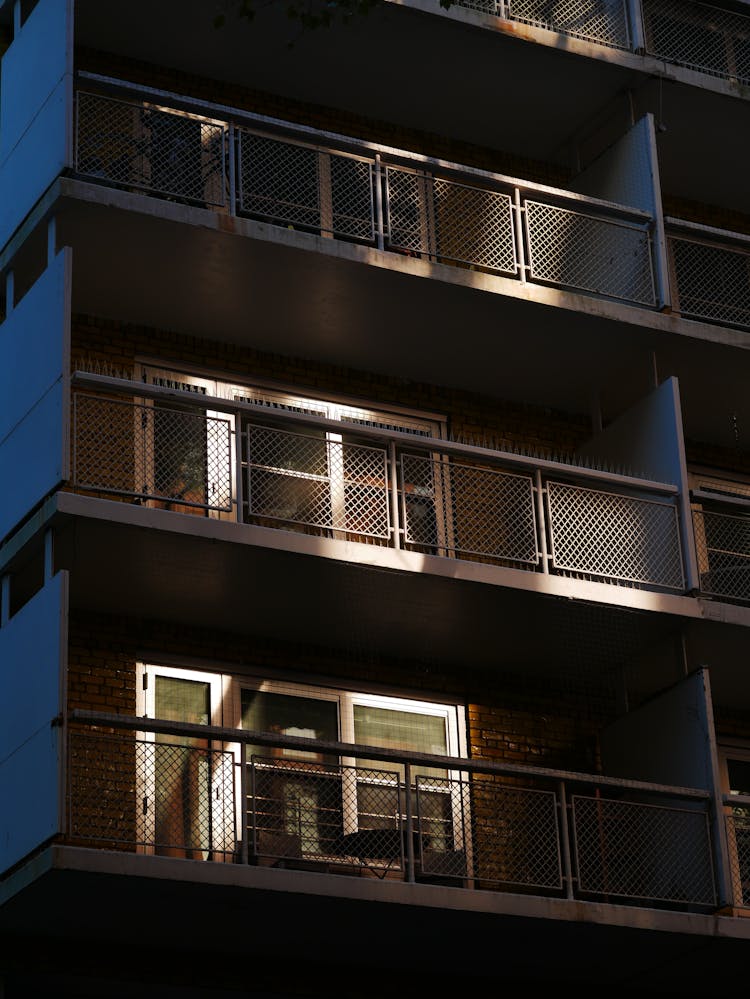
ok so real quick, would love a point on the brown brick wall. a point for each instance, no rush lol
(474, 418)
(519, 721)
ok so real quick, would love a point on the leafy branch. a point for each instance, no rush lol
(309, 14)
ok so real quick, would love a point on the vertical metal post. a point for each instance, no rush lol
(393, 471)
(10, 292)
(565, 840)
(519, 213)
(634, 20)
(238, 484)
(4, 599)
(244, 856)
(379, 214)
(408, 831)
(540, 516)
(49, 555)
(231, 145)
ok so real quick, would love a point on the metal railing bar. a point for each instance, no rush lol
(133, 388)
(222, 734)
(722, 235)
(703, 494)
(279, 127)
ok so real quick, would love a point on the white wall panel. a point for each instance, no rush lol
(34, 360)
(647, 438)
(34, 344)
(36, 94)
(33, 658)
(669, 740)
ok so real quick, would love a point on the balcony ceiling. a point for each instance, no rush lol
(433, 624)
(317, 300)
(443, 75)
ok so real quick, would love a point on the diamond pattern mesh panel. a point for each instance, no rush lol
(713, 282)
(453, 222)
(299, 186)
(176, 800)
(722, 544)
(603, 21)
(490, 831)
(162, 152)
(643, 851)
(313, 810)
(593, 254)
(699, 36)
(320, 483)
(468, 509)
(614, 536)
(738, 834)
(154, 452)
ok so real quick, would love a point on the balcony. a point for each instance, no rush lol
(350, 191)
(698, 36)
(232, 460)
(722, 532)
(234, 797)
(710, 273)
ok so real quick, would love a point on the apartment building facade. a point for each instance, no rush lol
(375, 559)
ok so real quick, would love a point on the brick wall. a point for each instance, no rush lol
(544, 723)
(114, 346)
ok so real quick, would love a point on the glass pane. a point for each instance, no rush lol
(391, 728)
(181, 700)
(287, 714)
(182, 771)
(180, 461)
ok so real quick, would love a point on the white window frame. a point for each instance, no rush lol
(154, 373)
(219, 690)
(330, 406)
(346, 700)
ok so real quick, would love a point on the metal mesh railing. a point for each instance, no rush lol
(644, 851)
(135, 145)
(465, 823)
(178, 456)
(299, 185)
(341, 194)
(722, 544)
(449, 221)
(602, 21)
(700, 36)
(160, 797)
(621, 538)
(489, 831)
(713, 282)
(598, 255)
(738, 836)
(468, 510)
(299, 478)
(312, 811)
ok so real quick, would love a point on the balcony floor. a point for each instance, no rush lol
(329, 923)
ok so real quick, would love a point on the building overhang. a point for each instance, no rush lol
(127, 902)
(283, 291)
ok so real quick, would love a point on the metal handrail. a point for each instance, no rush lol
(327, 803)
(89, 380)
(220, 733)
